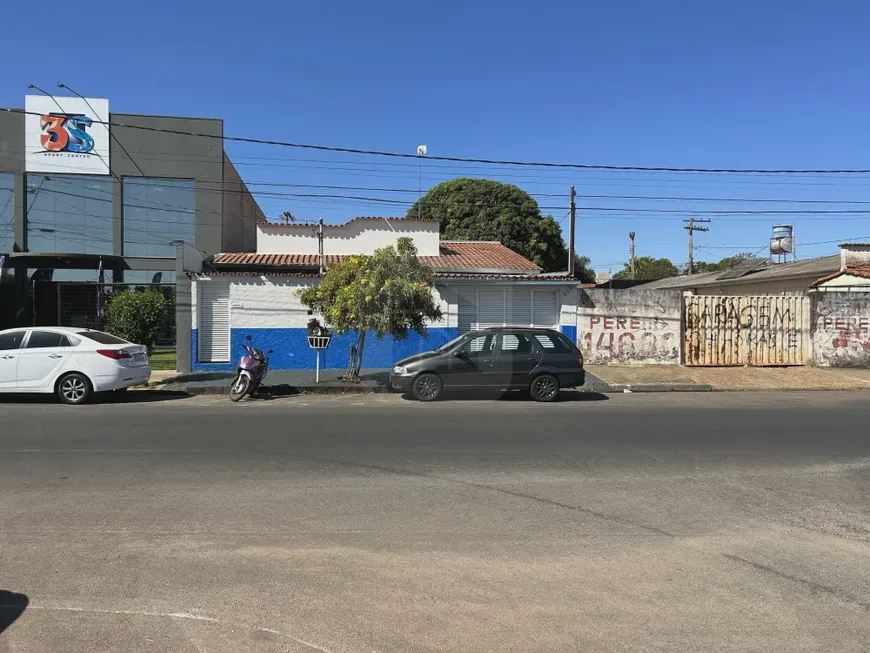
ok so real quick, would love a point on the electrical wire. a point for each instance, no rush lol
(405, 155)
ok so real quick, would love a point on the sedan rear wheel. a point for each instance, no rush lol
(74, 389)
(544, 388)
(428, 387)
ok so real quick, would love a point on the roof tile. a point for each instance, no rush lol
(455, 257)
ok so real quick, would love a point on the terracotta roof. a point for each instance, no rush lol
(475, 255)
(464, 257)
(282, 225)
(856, 271)
(273, 260)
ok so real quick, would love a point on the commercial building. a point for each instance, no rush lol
(88, 195)
(478, 284)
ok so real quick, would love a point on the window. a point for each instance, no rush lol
(42, 339)
(7, 212)
(480, 346)
(515, 344)
(69, 214)
(553, 343)
(157, 212)
(102, 338)
(11, 340)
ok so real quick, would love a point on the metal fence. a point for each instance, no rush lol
(84, 304)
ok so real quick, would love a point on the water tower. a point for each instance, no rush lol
(782, 242)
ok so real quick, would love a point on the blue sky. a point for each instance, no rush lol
(686, 84)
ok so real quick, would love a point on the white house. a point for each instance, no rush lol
(478, 284)
(854, 272)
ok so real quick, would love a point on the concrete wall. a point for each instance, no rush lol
(139, 152)
(354, 237)
(633, 326)
(240, 213)
(841, 335)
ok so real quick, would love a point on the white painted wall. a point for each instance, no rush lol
(854, 255)
(273, 302)
(354, 237)
(845, 282)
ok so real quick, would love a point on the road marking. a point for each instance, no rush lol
(169, 615)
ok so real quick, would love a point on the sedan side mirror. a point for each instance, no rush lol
(461, 354)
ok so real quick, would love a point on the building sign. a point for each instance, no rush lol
(66, 135)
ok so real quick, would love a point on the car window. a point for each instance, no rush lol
(102, 338)
(41, 339)
(11, 340)
(515, 344)
(553, 343)
(480, 346)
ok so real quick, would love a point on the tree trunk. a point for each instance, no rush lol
(359, 353)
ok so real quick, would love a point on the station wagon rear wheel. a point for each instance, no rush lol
(428, 387)
(544, 388)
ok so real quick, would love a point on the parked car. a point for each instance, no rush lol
(71, 362)
(538, 360)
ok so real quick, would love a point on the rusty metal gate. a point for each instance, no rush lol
(762, 330)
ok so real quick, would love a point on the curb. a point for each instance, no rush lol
(656, 387)
(275, 390)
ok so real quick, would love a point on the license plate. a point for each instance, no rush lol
(139, 357)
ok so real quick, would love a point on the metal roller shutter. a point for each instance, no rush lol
(545, 308)
(214, 321)
(519, 309)
(490, 307)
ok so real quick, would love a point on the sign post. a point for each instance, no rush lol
(318, 340)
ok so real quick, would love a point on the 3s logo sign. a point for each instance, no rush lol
(65, 132)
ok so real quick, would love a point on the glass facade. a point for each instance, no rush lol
(7, 212)
(69, 214)
(157, 212)
(149, 276)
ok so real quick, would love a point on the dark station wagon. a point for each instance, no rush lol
(540, 361)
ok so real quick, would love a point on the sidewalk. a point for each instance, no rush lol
(278, 382)
(664, 378)
(601, 378)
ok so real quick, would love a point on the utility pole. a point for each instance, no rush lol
(320, 245)
(691, 227)
(571, 254)
(631, 255)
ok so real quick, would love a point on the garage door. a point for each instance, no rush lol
(214, 321)
(481, 307)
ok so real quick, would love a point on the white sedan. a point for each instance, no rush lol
(70, 362)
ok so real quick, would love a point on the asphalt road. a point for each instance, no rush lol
(708, 522)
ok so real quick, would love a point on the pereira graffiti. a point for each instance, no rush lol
(619, 339)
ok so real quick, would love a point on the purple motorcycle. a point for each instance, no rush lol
(253, 367)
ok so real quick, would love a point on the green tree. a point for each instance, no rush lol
(582, 272)
(648, 268)
(139, 317)
(388, 293)
(724, 264)
(482, 209)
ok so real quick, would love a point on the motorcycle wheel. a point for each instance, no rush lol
(240, 387)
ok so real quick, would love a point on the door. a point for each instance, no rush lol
(471, 364)
(214, 321)
(9, 350)
(43, 354)
(516, 358)
(747, 330)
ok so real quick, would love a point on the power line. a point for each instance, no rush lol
(405, 155)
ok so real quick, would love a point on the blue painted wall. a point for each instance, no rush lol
(291, 350)
(570, 331)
